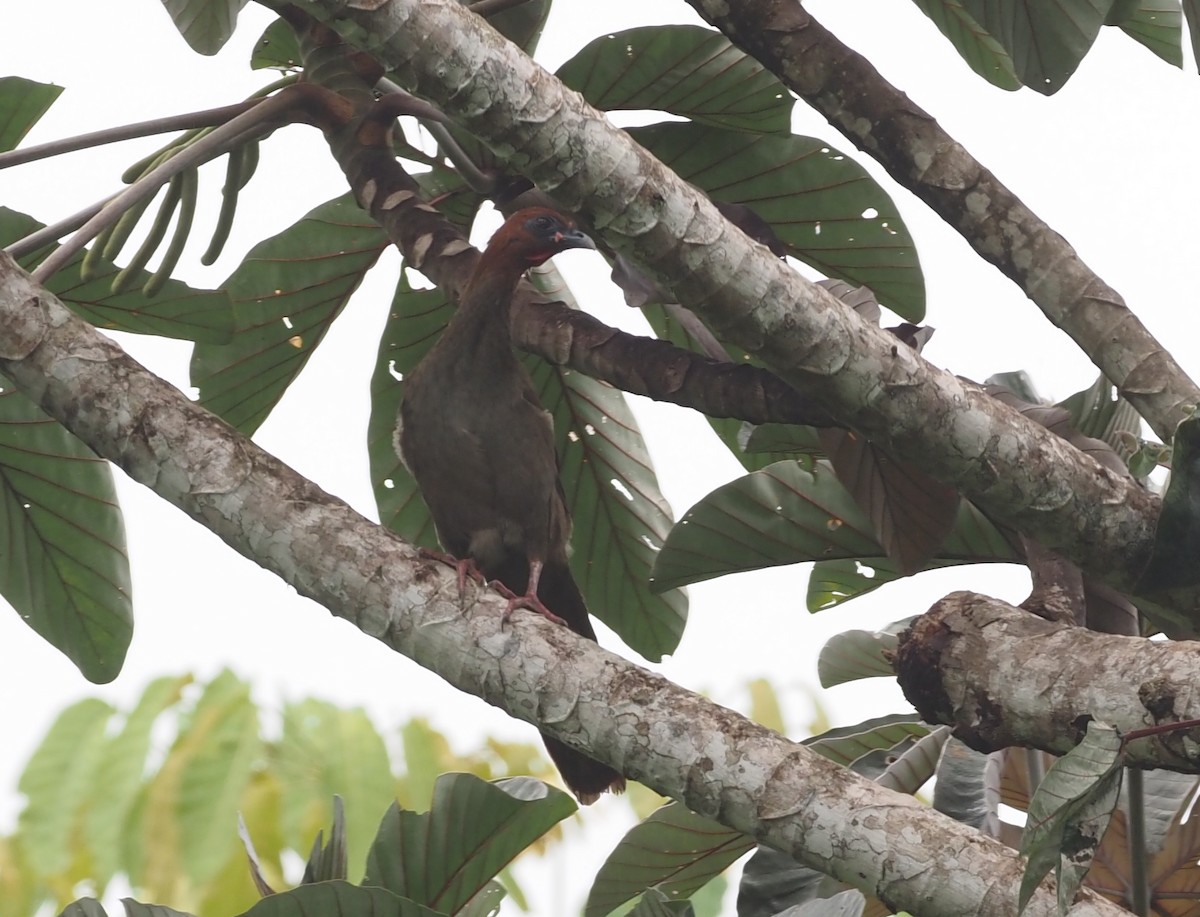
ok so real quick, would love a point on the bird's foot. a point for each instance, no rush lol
(532, 602)
(465, 567)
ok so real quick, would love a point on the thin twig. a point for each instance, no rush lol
(35, 240)
(208, 118)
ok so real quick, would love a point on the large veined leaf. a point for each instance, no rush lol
(674, 850)
(621, 518)
(1191, 13)
(968, 787)
(177, 311)
(327, 751)
(1158, 24)
(823, 205)
(855, 654)
(287, 291)
(340, 899)
(982, 53)
(443, 857)
(56, 782)
(204, 24)
(687, 70)
(22, 104)
(847, 745)
(1046, 41)
(783, 514)
(63, 565)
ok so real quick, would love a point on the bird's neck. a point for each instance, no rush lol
(480, 326)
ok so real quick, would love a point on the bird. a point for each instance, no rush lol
(480, 446)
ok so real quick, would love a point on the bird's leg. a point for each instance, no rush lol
(530, 599)
(463, 566)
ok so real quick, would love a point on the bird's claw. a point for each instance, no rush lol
(532, 602)
(464, 567)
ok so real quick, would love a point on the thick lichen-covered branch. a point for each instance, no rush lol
(716, 762)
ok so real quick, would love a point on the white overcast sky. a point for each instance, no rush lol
(1107, 162)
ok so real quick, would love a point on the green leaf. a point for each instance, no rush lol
(1172, 561)
(178, 311)
(22, 104)
(1191, 12)
(442, 858)
(84, 907)
(783, 514)
(1158, 24)
(620, 515)
(329, 861)
(855, 654)
(848, 744)
(823, 205)
(674, 850)
(137, 909)
(1069, 812)
(1046, 41)
(204, 24)
(982, 53)
(63, 565)
(287, 292)
(327, 751)
(277, 49)
(414, 321)
(118, 774)
(968, 787)
(215, 756)
(338, 899)
(56, 782)
(916, 764)
(654, 903)
(1099, 411)
(687, 70)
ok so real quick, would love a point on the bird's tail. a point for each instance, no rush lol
(586, 778)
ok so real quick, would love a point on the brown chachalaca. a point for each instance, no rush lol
(481, 448)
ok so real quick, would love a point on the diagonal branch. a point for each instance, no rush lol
(716, 762)
(1018, 473)
(906, 140)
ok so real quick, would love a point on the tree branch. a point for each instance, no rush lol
(906, 140)
(713, 760)
(1019, 474)
(970, 663)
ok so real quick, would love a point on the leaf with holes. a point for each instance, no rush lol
(443, 857)
(674, 850)
(287, 291)
(687, 70)
(177, 311)
(63, 565)
(827, 209)
(1046, 41)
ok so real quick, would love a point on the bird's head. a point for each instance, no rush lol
(534, 235)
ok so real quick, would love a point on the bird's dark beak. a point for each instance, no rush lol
(573, 238)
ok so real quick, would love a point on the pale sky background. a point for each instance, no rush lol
(1107, 162)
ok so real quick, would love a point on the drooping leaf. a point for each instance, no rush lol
(328, 752)
(1098, 411)
(63, 565)
(1069, 812)
(22, 104)
(687, 70)
(1158, 24)
(674, 850)
(915, 765)
(340, 899)
(1191, 13)
(178, 311)
(1177, 536)
(855, 654)
(825, 207)
(1046, 41)
(204, 24)
(287, 291)
(982, 53)
(443, 857)
(56, 782)
(329, 861)
(968, 787)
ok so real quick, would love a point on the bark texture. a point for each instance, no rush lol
(1002, 676)
(907, 141)
(1017, 472)
(713, 760)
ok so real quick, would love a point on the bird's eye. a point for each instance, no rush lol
(541, 224)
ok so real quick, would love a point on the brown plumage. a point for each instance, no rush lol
(481, 448)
